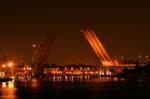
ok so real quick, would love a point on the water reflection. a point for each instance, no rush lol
(34, 83)
(3, 84)
(68, 85)
(8, 90)
(69, 78)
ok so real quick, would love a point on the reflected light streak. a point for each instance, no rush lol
(11, 84)
(3, 84)
(34, 83)
(8, 90)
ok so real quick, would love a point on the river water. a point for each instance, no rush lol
(70, 88)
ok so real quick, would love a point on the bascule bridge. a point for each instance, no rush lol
(40, 55)
(106, 61)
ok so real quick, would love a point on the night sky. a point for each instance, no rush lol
(123, 27)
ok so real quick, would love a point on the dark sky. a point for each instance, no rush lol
(123, 27)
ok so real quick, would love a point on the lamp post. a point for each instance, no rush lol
(147, 59)
(10, 64)
(3, 67)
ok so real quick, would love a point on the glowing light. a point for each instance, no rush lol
(72, 78)
(24, 68)
(65, 68)
(122, 79)
(33, 45)
(107, 73)
(140, 56)
(34, 83)
(66, 78)
(4, 65)
(69, 72)
(122, 57)
(92, 72)
(110, 73)
(2, 74)
(80, 68)
(12, 77)
(3, 84)
(72, 68)
(29, 68)
(115, 79)
(58, 78)
(10, 64)
(11, 84)
(146, 56)
(100, 73)
(98, 48)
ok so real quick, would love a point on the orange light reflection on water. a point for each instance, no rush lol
(8, 90)
(34, 83)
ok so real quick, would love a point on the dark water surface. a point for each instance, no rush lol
(97, 88)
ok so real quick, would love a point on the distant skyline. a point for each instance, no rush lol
(122, 26)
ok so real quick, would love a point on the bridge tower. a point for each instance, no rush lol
(41, 52)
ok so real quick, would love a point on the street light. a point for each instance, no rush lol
(10, 64)
(147, 58)
(4, 65)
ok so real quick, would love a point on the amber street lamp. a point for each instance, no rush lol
(3, 65)
(10, 64)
